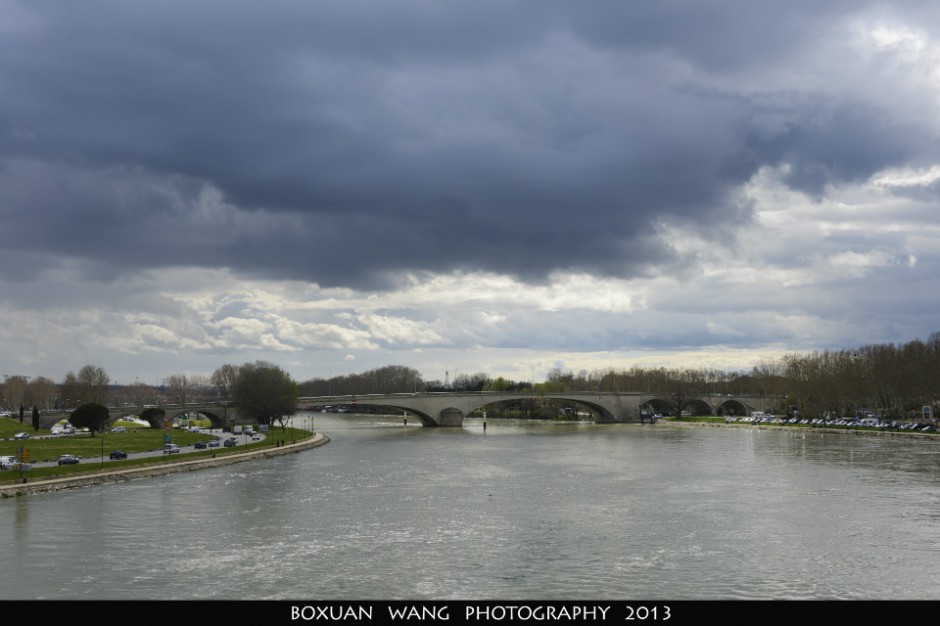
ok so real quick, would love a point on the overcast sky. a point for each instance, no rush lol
(488, 186)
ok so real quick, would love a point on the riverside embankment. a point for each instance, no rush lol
(132, 473)
(812, 429)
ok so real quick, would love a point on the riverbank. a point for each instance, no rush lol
(133, 473)
(819, 430)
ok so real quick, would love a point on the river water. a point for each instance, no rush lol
(513, 511)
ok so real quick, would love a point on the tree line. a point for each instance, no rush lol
(263, 392)
(893, 380)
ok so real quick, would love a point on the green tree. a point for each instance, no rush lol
(35, 417)
(265, 393)
(91, 416)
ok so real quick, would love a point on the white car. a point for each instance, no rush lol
(6, 462)
(21, 436)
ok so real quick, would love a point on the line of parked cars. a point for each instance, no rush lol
(833, 423)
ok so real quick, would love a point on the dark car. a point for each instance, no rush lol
(200, 445)
(118, 454)
(68, 459)
(231, 443)
(214, 443)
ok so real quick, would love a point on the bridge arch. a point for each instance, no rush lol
(696, 406)
(598, 411)
(660, 406)
(215, 417)
(731, 407)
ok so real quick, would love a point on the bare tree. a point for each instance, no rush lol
(224, 380)
(13, 391)
(142, 394)
(199, 388)
(89, 385)
(177, 388)
(42, 392)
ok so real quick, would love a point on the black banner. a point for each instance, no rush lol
(479, 613)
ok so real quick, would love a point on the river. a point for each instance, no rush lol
(514, 511)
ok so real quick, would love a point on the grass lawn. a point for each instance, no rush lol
(90, 449)
(699, 418)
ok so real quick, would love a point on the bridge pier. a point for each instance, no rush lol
(451, 417)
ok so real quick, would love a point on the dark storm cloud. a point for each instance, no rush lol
(344, 142)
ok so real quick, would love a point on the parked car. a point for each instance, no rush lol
(68, 459)
(21, 436)
(117, 454)
(6, 462)
(119, 429)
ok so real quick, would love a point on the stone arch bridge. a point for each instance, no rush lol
(449, 409)
(219, 413)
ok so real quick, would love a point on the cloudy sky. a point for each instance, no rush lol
(498, 186)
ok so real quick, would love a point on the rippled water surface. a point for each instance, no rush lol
(519, 511)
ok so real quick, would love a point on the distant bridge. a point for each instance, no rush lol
(449, 409)
(219, 413)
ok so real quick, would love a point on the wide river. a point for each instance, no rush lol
(515, 511)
